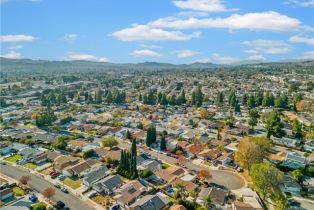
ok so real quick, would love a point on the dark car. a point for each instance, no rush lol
(65, 190)
(60, 205)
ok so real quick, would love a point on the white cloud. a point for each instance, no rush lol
(267, 46)
(308, 55)
(12, 55)
(150, 46)
(87, 57)
(264, 21)
(192, 14)
(203, 5)
(256, 57)
(16, 38)
(70, 37)
(185, 53)
(145, 53)
(300, 3)
(216, 58)
(202, 60)
(103, 59)
(15, 47)
(144, 32)
(299, 39)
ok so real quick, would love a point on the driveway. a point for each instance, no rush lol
(39, 184)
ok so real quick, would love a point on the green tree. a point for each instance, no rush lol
(181, 97)
(39, 206)
(232, 99)
(133, 148)
(274, 126)
(297, 175)
(109, 141)
(88, 153)
(252, 150)
(253, 117)
(251, 102)
(297, 129)
(151, 135)
(237, 107)
(163, 145)
(266, 179)
(98, 97)
(244, 99)
(163, 100)
(199, 96)
(219, 99)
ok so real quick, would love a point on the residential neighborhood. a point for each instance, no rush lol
(158, 141)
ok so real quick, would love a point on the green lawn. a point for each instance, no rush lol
(165, 165)
(14, 158)
(74, 184)
(31, 165)
(18, 191)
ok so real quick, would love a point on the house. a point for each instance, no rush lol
(251, 198)
(153, 202)
(52, 155)
(294, 161)
(177, 207)
(39, 159)
(188, 186)
(29, 153)
(194, 149)
(17, 146)
(5, 147)
(108, 184)
(288, 142)
(80, 168)
(145, 162)
(76, 145)
(95, 175)
(62, 161)
(309, 184)
(290, 186)
(6, 193)
(238, 205)
(219, 196)
(209, 154)
(309, 146)
(129, 192)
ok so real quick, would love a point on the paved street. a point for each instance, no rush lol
(230, 180)
(39, 184)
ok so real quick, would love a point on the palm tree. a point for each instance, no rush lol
(209, 202)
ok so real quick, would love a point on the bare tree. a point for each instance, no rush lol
(48, 192)
(24, 179)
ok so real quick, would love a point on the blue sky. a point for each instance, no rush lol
(180, 31)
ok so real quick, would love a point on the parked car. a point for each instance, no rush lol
(54, 175)
(61, 177)
(65, 190)
(33, 198)
(60, 205)
(115, 207)
(57, 185)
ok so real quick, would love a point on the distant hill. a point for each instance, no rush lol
(28, 65)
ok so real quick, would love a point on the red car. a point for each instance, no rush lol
(55, 175)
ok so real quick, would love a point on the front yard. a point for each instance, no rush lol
(17, 191)
(73, 183)
(14, 158)
(105, 201)
(31, 165)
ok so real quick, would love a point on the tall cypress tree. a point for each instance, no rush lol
(163, 143)
(134, 152)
